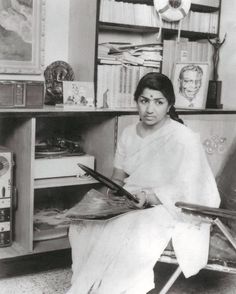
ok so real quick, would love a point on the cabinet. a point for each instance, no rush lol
(20, 130)
(137, 23)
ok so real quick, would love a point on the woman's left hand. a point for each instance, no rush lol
(146, 198)
(142, 199)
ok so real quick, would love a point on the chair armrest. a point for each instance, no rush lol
(206, 211)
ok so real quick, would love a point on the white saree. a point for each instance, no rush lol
(119, 255)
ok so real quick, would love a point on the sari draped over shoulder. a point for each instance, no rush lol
(120, 254)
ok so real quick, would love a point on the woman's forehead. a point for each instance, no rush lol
(154, 94)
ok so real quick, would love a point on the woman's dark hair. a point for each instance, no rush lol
(159, 82)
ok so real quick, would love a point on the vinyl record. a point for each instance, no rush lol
(45, 150)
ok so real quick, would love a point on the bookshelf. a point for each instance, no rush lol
(137, 22)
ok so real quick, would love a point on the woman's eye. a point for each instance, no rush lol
(159, 102)
(143, 101)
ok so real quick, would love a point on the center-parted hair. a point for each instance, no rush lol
(159, 82)
(190, 67)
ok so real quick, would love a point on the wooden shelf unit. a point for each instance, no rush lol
(19, 131)
(138, 34)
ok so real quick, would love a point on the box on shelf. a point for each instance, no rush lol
(21, 94)
(65, 166)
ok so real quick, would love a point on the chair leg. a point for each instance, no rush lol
(171, 281)
(226, 232)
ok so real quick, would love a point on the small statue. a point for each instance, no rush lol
(54, 75)
(215, 58)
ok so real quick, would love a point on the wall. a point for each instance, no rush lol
(56, 30)
(56, 36)
(227, 66)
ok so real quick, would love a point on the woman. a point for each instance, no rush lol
(161, 161)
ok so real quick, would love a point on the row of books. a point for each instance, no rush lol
(146, 15)
(197, 22)
(116, 84)
(185, 51)
(128, 13)
(145, 54)
(212, 3)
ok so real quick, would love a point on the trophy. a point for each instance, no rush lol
(214, 88)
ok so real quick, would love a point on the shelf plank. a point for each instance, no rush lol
(188, 34)
(62, 182)
(148, 29)
(203, 8)
(53, 111)
(51, 245)
(40, 246)
(12, 251)
(127, 27)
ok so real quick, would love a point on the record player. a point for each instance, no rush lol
(59, 157)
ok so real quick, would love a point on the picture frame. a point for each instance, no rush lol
(78, 94)
(22, 36)
(190, 82)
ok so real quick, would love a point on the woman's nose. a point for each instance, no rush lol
(149, 108)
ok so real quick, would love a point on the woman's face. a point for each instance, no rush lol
(152, 107)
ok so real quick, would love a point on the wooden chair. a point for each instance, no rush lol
(223, 259)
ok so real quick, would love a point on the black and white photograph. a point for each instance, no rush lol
(117, 147)
(78, 94)
(191, 84)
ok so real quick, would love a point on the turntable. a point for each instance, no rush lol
(55, 147)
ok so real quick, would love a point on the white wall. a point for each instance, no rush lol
(56, 30)
(56, 36)
(227, 66)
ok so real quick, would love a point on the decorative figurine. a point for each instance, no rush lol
(215, 57)
(54, 75)
(214, 88)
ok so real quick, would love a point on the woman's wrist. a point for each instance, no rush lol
(151, 198)
(146, 203)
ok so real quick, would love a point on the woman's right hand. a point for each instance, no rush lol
(120, 199)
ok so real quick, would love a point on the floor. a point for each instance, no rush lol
(58, 281)
(49, 282)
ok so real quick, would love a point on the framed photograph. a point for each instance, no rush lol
(22, 36)
(190, 81)
(78, 94)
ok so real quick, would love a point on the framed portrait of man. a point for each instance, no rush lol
(190, 81)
